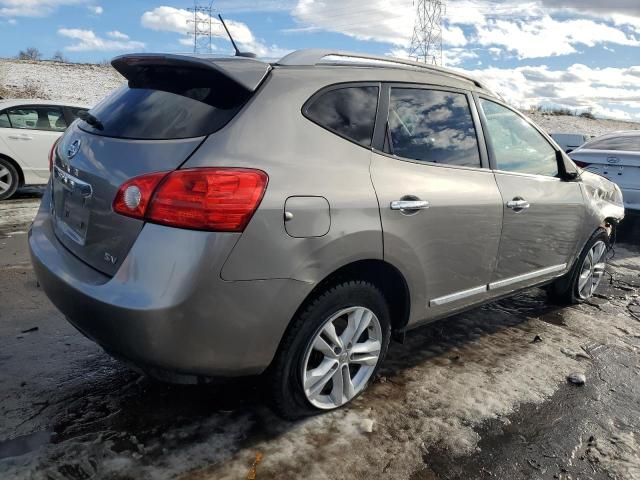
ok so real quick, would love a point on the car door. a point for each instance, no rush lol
(33, 131)
(440, 208)
(543, 213)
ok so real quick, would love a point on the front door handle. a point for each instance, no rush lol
(409, 205)
(518, 204)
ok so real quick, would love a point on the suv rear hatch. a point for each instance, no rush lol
(154, 124)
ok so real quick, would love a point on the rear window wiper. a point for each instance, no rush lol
(91, 120)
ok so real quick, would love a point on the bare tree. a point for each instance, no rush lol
(30, 53)
(59, 57)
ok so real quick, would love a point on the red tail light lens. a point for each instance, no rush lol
(581, 164)
(134, 195)
(218, 199)
(52, 153)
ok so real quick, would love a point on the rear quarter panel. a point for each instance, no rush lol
(301, 159)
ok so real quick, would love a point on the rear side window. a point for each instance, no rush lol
(168, 103)
(38, 118)
(432, 126)
(75, 111)
(623, 143)
(349, 112)
(4, 121)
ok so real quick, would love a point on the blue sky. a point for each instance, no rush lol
(571, 53)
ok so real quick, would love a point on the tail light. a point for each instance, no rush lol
(52, 154)
(581, 164)
(217, 199)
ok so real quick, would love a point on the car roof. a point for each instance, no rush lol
(322, 57)
(15, 102)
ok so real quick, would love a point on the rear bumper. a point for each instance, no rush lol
(167, 307)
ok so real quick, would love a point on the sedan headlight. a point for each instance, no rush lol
(612, 194)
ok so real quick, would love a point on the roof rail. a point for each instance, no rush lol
(313, 56)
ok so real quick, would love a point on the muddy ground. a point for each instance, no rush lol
(480, 395)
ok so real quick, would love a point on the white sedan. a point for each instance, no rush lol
(615, 156)
(28, 130)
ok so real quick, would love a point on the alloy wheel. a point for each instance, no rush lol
(6, 179)
(341, 357)
(592, 270)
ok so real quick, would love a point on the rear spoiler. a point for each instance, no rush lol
(246, 72)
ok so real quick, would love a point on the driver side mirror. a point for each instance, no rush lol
(566, 168)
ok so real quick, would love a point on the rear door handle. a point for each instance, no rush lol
(409, 205)
(518, 204)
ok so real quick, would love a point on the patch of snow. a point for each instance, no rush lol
(576, 124)
(82, 84)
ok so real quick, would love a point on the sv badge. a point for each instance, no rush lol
(110, 258)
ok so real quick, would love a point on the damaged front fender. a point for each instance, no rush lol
(603, 199)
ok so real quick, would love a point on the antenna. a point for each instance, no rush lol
(235, 47)
(201, 26)
(426, 42)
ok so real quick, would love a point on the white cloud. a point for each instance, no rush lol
(118, 35)
(96, 9)
(87, 40)
(32, 8)
(607, 92)
(170, 19)
(545, 36)
(526, 29)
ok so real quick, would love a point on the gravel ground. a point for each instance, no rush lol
(481, 395)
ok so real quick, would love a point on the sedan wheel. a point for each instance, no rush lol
(592, 270)
(6, 179)
(341, 357)
(9, 179)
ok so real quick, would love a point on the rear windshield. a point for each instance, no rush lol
(625, 143)
(168, 103)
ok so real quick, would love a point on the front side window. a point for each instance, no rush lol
(349, 111)
(38, 118)
(4, 121)
(432, 126)
(517, 146)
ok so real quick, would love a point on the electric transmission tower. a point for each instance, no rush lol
(426, 42)
(202, 26)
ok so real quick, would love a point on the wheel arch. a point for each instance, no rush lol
(380, 273)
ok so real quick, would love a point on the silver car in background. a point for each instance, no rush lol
(227, 216)
(615, 156)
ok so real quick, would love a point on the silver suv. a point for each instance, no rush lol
(226, 216)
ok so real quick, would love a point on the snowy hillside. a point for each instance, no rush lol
(87, 84)
(75, 83)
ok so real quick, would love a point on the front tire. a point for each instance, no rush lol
(9, 179)
(584, 278)
(331, 351)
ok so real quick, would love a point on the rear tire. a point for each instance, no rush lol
(9, 179)
(581, 282)
(331, 351)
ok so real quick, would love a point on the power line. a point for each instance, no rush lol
(202, 26)
(426, 41)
